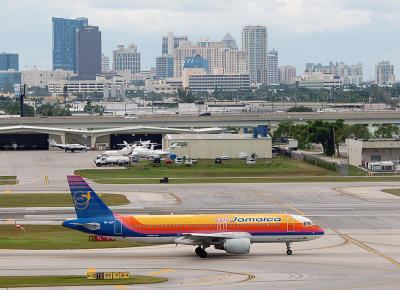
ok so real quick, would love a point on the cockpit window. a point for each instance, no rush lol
(307, 224)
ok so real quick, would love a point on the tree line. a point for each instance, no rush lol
(330, 134)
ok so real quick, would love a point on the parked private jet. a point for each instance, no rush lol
(68, 147)
(233, 233)
(143, 152)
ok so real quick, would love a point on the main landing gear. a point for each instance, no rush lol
(289, 251)
(201, 252)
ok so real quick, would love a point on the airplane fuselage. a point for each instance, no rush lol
(158, 229)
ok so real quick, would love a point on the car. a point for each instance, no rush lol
(168, 161)
(132, 117)
(205, 114)
(251, 161)
(135, 159)
(218, 160)
(188, 162)
(225, 157)
(194, 161)
(156, 160)
(178, 160)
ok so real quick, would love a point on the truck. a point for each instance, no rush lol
(293, 144)
(112, 160)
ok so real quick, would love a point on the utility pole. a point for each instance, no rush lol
(65, 94)
(21, 101)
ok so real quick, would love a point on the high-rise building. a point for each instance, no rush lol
(229, 41)
(164, 67)
(384, 73)
(9, 61)
(221, 59)
(287, 75)
(170, 42)
(8, 78)
(350, 74)
(88, 52)
(64, 42)
(272, 67)
(255, 45)
(105, 63)
(196, 62)
(126, 59)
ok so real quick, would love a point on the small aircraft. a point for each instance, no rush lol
(68, 147)
(125, 151)
(143, 152)
(233, 233)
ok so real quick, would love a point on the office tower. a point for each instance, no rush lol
(105, 63)
(272, 68)
(384, 73)
(255, 45)
(88, 52)
(229, 41)
(9, 78)
(351, 74)
(164, 67)
(126, 59)
(171, 42)
(287, 75)
(64, 42)
(9, 61)
(221, 59)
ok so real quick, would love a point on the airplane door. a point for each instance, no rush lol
(222, 227)
(117, 226)
(290, 223)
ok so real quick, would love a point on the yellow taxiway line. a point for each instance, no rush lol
(7, 191)
(162, 271)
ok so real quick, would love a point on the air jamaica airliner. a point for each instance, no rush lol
(233, 233)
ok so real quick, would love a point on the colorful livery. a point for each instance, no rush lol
(233, 233)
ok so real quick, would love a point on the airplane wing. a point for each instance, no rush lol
(211, 238)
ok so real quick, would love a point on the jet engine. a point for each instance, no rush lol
(235, 246)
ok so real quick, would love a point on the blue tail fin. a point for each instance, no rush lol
(86, 202)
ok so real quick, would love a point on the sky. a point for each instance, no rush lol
(302, 31)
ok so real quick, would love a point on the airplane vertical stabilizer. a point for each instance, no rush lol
(86, 202)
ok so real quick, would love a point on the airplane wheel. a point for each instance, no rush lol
(289, 252)
(203, 254)
(198, 251)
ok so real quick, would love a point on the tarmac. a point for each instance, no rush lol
(360, 249)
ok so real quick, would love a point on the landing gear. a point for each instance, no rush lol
(201, 252)
(289, 251)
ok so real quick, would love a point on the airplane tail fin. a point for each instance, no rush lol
(52, 142)
(86, 202)
(173, 146)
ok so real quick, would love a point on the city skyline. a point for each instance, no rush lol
(358, 32)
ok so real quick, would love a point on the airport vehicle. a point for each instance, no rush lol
(250, 161)
(233, 233)
(112, 160)
(178, 160)
(143, 152)
(225, 157)
(188, 162)
(293, 144)
(68, 147)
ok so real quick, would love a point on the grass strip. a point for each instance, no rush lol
(254, 180)
(40, 237)
(53, 199)
(394, 191)
(46, 281)
(8, 182)
(206, 168)
(7, 177)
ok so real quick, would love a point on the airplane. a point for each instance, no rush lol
(143, 152)
(127, 150)
(233, 233)
(68, 147)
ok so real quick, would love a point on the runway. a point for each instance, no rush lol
(361, 247)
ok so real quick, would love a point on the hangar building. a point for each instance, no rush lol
(214, 145)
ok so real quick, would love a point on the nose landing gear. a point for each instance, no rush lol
(201, 252)
(289, 251)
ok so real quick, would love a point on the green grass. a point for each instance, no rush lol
(7, 177)
(356, 171)
(394, 191)
(8, 180)
(39, 237)
(42, 281)
(257, 180)
(206, 168)
(53, 199)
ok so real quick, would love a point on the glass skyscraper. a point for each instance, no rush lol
(64, 42)
(9, 61)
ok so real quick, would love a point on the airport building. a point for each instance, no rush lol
(215, 145)
(361, 152)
